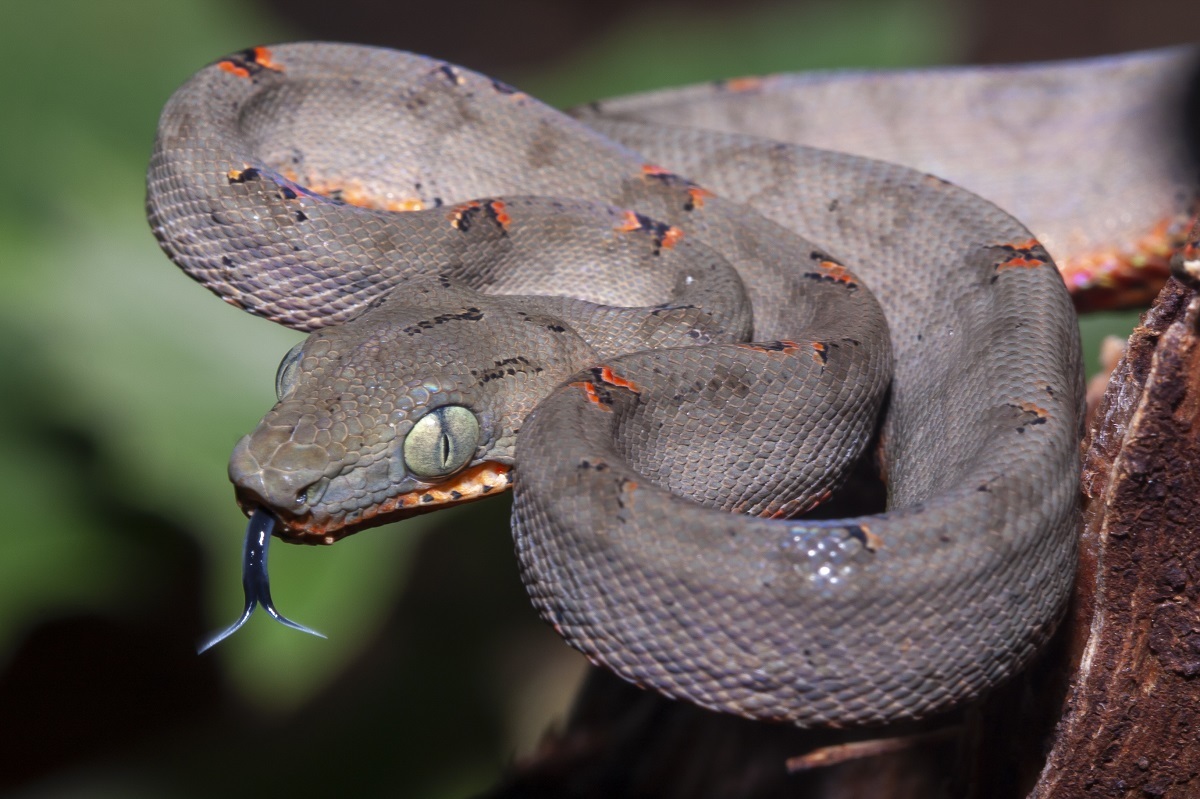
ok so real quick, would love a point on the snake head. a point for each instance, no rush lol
(412, 405)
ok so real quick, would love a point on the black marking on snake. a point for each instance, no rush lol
(256, 584)
(469, 315)
(243, 175)
(670, 179)
(455, 494)
(301, 216)
(596, 467)
(427, 497)
(1023, 255)
(775, 346)
(556, 328)
(659, 231)
(226, 261)
(503, 87)
(668, 308)
(505, 368)
(414, 104)
(248, 60)
(465, 218)
(829, 279)
(862, 535)
(1038, 416)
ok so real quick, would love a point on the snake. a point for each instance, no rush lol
(680, 333)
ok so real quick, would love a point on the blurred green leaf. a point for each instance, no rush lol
(661, 48)
(121, 346)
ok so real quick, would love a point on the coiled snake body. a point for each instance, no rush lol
(664, 329)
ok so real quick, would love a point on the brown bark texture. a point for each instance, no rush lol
(1131, 722)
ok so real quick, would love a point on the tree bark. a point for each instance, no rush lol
(1131, 723)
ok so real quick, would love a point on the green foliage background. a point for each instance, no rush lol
(125, 386)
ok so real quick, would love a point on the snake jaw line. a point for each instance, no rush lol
(255, 580)
(306, 526)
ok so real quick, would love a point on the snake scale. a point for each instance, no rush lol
(672, 329)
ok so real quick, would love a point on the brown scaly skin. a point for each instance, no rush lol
(267, 186)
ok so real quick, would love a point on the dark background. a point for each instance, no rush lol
(125, 386)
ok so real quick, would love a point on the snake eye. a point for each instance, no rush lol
(289, 367)
(441, 441)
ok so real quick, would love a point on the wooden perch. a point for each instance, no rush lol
(1131, 725)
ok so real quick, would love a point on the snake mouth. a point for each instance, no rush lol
(322, 527)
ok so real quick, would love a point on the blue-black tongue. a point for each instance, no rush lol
(255, 582)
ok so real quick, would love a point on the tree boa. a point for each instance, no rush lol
(674, 328)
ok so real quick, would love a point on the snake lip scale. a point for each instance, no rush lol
(671, 337)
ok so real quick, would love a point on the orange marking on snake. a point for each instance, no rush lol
(1037, 410)
(837, 272)
(787, 512)
(477, 482)
(630, 222)
(783, 346)
(234, 69)
(651, 169)
(456, 213)
(871, 542)
(1125, 276)
(664, 236)
(613, 379)
(743, 84)
(502, 216)
(593, 397)
(264, 58)
(353, 192)
(820, 353)
(698, 196)
(1027, 254)
(240, 64)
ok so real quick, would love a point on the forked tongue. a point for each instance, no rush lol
(255, 581)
